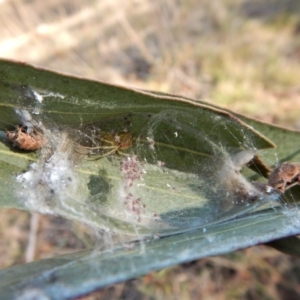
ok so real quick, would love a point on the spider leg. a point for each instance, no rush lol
(122, 153)
(96, 157)
(106, 141)
(100, 147)
(84, 149)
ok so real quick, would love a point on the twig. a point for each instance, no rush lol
(31, 246)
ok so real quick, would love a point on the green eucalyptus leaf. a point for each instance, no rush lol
(181, 178)
(179, 170)
(289, 245)
(286, 140)
(73, 275)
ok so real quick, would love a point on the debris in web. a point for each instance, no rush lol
(27, 139)
(285, 176)
(132, 173)
(51, 178)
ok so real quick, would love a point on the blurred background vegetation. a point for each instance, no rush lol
(240, 54)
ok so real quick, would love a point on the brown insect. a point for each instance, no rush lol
(110, 143)
(24, 139)
(285, 176)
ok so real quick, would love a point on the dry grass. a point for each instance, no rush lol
(244, 55)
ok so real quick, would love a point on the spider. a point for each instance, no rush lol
(110, 144)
